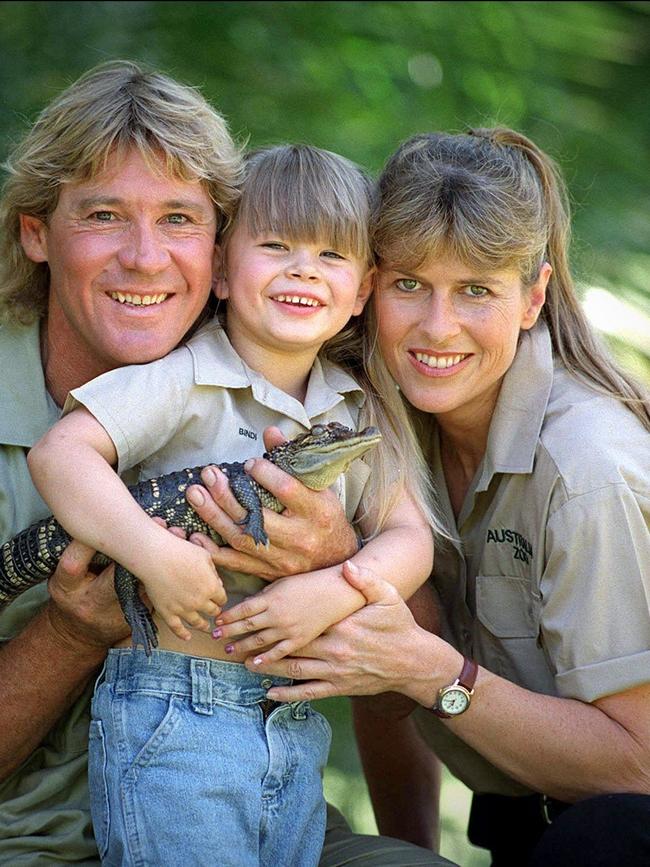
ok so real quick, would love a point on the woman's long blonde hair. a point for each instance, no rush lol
(494, 200)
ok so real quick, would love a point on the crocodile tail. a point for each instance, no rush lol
(30, 557)
(136, 613)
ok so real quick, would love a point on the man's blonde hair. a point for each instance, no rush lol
(112, 108)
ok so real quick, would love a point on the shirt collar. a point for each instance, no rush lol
(217, 363)
(520, 409)
(28, 409)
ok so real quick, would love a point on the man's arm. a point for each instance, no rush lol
(402, 773)
(45, 668)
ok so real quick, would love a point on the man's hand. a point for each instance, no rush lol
(83, 608)
(310, 534)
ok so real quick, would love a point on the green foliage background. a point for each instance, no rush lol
(359, 77)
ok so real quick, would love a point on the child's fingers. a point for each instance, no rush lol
(218, 595)
(219, 598)
(178, 628)
(211, 609)
(252, 643)
(244, 612)
(196, 621)
(239, 627)
(275, 653)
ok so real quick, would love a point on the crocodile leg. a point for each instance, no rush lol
(245, 490)
(143, 628)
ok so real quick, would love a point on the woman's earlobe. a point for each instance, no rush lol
(537, 296)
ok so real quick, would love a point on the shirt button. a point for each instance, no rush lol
(267, 683)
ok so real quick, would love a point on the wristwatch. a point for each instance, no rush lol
(455, 698)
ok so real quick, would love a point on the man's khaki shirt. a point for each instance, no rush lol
(44, 808)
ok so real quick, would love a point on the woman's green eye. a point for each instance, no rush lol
(476, 291)
(406, 284)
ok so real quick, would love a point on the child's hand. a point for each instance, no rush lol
(284, 617)
(184, 587)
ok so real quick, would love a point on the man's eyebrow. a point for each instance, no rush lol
(168, 205)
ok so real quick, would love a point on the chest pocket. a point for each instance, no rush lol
(507, 606)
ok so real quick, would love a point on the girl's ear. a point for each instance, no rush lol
(536, 297)
(365, 291)
(219, 282)
(33, 237)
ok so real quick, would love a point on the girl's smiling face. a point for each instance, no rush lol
(449, 333)
(287, 297)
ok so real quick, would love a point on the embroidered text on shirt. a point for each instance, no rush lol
(522, 548)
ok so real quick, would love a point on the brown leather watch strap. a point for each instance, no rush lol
(467, 677)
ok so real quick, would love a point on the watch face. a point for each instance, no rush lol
(454, 701)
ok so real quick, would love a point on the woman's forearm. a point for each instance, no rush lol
(563, 747)
(566, 748)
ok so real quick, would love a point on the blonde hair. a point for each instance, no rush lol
(111, 108)
(398, 464)
(494, 200)
(309, 194)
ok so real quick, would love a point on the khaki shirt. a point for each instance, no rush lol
(44, 810)
(202, 404)
(549, 584)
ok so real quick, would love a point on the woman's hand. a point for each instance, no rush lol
(311, 533)
(371, 651)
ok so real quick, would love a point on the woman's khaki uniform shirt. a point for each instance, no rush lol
(549, 584)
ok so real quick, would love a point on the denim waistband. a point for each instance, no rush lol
(197, 677)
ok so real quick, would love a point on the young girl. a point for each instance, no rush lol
(187, 739)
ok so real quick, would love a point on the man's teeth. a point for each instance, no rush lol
(298, 299)
(144, 300)
(438, 361)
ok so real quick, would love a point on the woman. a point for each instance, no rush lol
(536, 692)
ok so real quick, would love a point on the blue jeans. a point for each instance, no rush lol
(189, 764)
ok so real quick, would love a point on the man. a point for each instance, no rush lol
(90, 265)
(109, 218)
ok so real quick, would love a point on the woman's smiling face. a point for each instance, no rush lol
(449, 333)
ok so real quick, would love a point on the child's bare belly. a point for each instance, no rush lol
(201, 644)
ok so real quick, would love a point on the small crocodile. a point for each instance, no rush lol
(316, 458)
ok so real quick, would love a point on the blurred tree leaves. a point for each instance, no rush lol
(358, 77)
